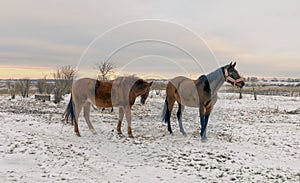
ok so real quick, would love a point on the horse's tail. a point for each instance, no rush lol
(165, 111)
(70, 112)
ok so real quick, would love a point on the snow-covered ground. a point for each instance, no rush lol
(248, 141)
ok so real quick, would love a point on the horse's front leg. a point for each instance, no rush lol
(121, 115)
(206, 117)
(86, 114)
(179, 117)
(128, 119)
(203, 123)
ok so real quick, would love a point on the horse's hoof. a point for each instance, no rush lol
(120, 135)
(77, 134)
(130, 136)
(203, 139)
(184, 134)
(94, 131)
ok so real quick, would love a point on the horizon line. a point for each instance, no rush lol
(8, 72)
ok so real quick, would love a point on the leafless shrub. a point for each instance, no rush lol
(12, 88)
(24, 86)
(105, 69)
(63, 77)
(42, 85)
(49, 88)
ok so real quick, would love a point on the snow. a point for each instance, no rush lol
(248, 141)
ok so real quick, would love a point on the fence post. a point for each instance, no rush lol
(254, 93)
(241, 96)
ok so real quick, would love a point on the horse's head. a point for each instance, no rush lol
(142, 89)
(232, 76)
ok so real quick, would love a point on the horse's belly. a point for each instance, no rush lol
(190, 103)
(189, 99)
(103, 103)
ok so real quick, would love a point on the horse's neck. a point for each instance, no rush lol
(216, 80)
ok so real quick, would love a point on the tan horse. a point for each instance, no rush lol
(201, 93)
(121, 92)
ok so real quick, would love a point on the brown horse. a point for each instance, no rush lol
(201, 93)
(121, 92)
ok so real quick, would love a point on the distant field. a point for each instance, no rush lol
(4, 88)
(291, 91)
(278, 89)
(263, 88)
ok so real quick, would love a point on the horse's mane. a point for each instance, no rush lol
(131, 79)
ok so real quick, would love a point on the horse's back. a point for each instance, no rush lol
(83, 87)
(184, 90)
(92, 90)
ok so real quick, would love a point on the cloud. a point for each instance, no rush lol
(24, 51)
(53, 33)
(261, 63)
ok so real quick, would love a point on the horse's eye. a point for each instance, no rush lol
(231, 71)
(139, 82)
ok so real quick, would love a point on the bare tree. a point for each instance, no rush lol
(42, 85)
(105, 69)
(49, 88)
(24, 87)
(12, 88)
(63, 77)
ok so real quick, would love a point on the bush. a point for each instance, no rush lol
(63, 79)
(41, 85)
(12, 88)
(24, 86)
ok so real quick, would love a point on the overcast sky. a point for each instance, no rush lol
(152, 38)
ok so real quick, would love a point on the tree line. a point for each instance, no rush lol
(61, 83)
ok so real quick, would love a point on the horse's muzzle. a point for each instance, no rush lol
(143, 100)
(240, 84)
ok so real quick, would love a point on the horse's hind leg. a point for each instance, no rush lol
(128, 119)
(86, 114)
(121, 116)
(170, 103)
(78, 109)
(179, 117)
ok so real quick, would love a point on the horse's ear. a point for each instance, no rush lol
(234, 64)
(230, 64)
(150, 84)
